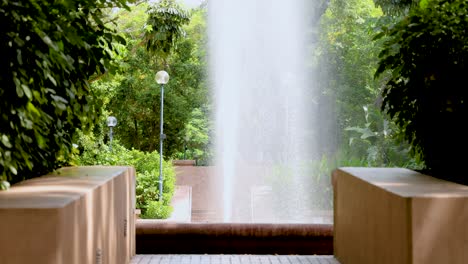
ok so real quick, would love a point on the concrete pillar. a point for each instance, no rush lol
(75, 215)
(398, 216)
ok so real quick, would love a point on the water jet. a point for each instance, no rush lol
(266, 126)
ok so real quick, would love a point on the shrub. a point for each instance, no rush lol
(146, 165)
(427, 54)
(49, 49)
(156, 209)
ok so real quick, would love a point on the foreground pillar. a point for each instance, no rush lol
(75, 215)
(398, 216)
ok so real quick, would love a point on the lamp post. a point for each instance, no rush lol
(111, 122)
(186, 138)
(162, 78)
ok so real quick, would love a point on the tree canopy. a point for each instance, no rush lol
(133, 96)
(164, 26)
(396, 7)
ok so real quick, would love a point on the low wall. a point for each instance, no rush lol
(76, 215)
(155, 237)
(394, 215)
(184, 162)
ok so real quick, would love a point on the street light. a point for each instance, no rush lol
(111, 122)
(186, 139)
(162, 78)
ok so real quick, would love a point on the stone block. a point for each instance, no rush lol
(398, 216)
(75, 215)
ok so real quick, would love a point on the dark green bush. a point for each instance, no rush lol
(48, 51)
(427, 54)
(146, 165)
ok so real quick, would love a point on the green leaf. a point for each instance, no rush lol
(18, 57)
(13, 170)
(52, 79)
(50, 43)
(32, 109)
(27, 91)
(4, 185)
(6, 141)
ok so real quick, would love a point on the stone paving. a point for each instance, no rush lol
(233, 259)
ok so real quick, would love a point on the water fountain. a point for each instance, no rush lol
(261, 196)
(265, 119)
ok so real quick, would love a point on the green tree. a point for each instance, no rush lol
(426, 95)
(49, 50)
(164, 27)
(348, 58)
(136, 100)
(197, 143)
(396, 7)
(198, 128)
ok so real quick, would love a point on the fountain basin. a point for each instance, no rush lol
(156, 237)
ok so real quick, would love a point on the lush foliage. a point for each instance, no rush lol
(427, 54)
(348, 59)
(135, 97)
(164, 26)
(396, 7)
(148, 198)
(344, 59)
(49, 49)
(197, 139)
(380, 139)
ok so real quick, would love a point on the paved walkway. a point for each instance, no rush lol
(181, 204)
(233, 259)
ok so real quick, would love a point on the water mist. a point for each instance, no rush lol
(264, 99)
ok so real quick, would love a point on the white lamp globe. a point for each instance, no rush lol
(162, 77)
(111, 121)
